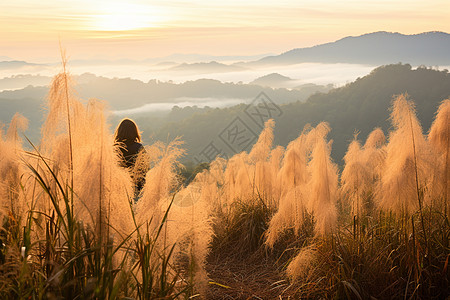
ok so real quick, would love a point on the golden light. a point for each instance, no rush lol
(125, 16)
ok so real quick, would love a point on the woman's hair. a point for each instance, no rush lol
(127, 132)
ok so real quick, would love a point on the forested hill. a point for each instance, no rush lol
(358, 106)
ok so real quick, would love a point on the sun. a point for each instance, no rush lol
(125, 16)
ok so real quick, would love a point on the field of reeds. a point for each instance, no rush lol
(273, 223)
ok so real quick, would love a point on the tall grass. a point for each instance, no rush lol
(439, 138)
(407, 165)
(72, 228)
(383, 232)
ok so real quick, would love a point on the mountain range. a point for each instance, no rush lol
(16, 64)
(378, 48)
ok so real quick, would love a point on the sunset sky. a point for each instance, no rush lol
(31, 30)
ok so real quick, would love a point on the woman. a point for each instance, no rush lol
(133, 156)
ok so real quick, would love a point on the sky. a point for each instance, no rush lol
(32, 30)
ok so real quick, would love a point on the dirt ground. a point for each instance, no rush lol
(254, 277)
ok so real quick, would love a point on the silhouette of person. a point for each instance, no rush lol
(133, 155)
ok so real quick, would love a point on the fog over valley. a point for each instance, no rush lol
(179, 102)
(317, 73)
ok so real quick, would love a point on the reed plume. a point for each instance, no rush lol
(11, 168)
(244, 184)
(159, 181)
(408, 162)
(323, 183)
(101, 186)
(374, 154)
(292, 178)
(439, 138)
(262, 175)
(190, 228)
(302, 264)
(355, 179)
(276, 157)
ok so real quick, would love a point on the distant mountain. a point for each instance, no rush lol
(28, 81)
(21, 81)
(15, 64)
(378, 48)
(210, 67)
(166, 64)
(272, 80)
(101, 62)
(191, 58)
(176, 58)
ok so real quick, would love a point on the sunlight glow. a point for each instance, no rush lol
(125, 16)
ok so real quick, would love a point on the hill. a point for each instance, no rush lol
(273, 80)
(378, 48)
(16, 64)
(21, 81)
(359, 106)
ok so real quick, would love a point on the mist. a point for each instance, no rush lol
(317, 73)
(180, 102)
